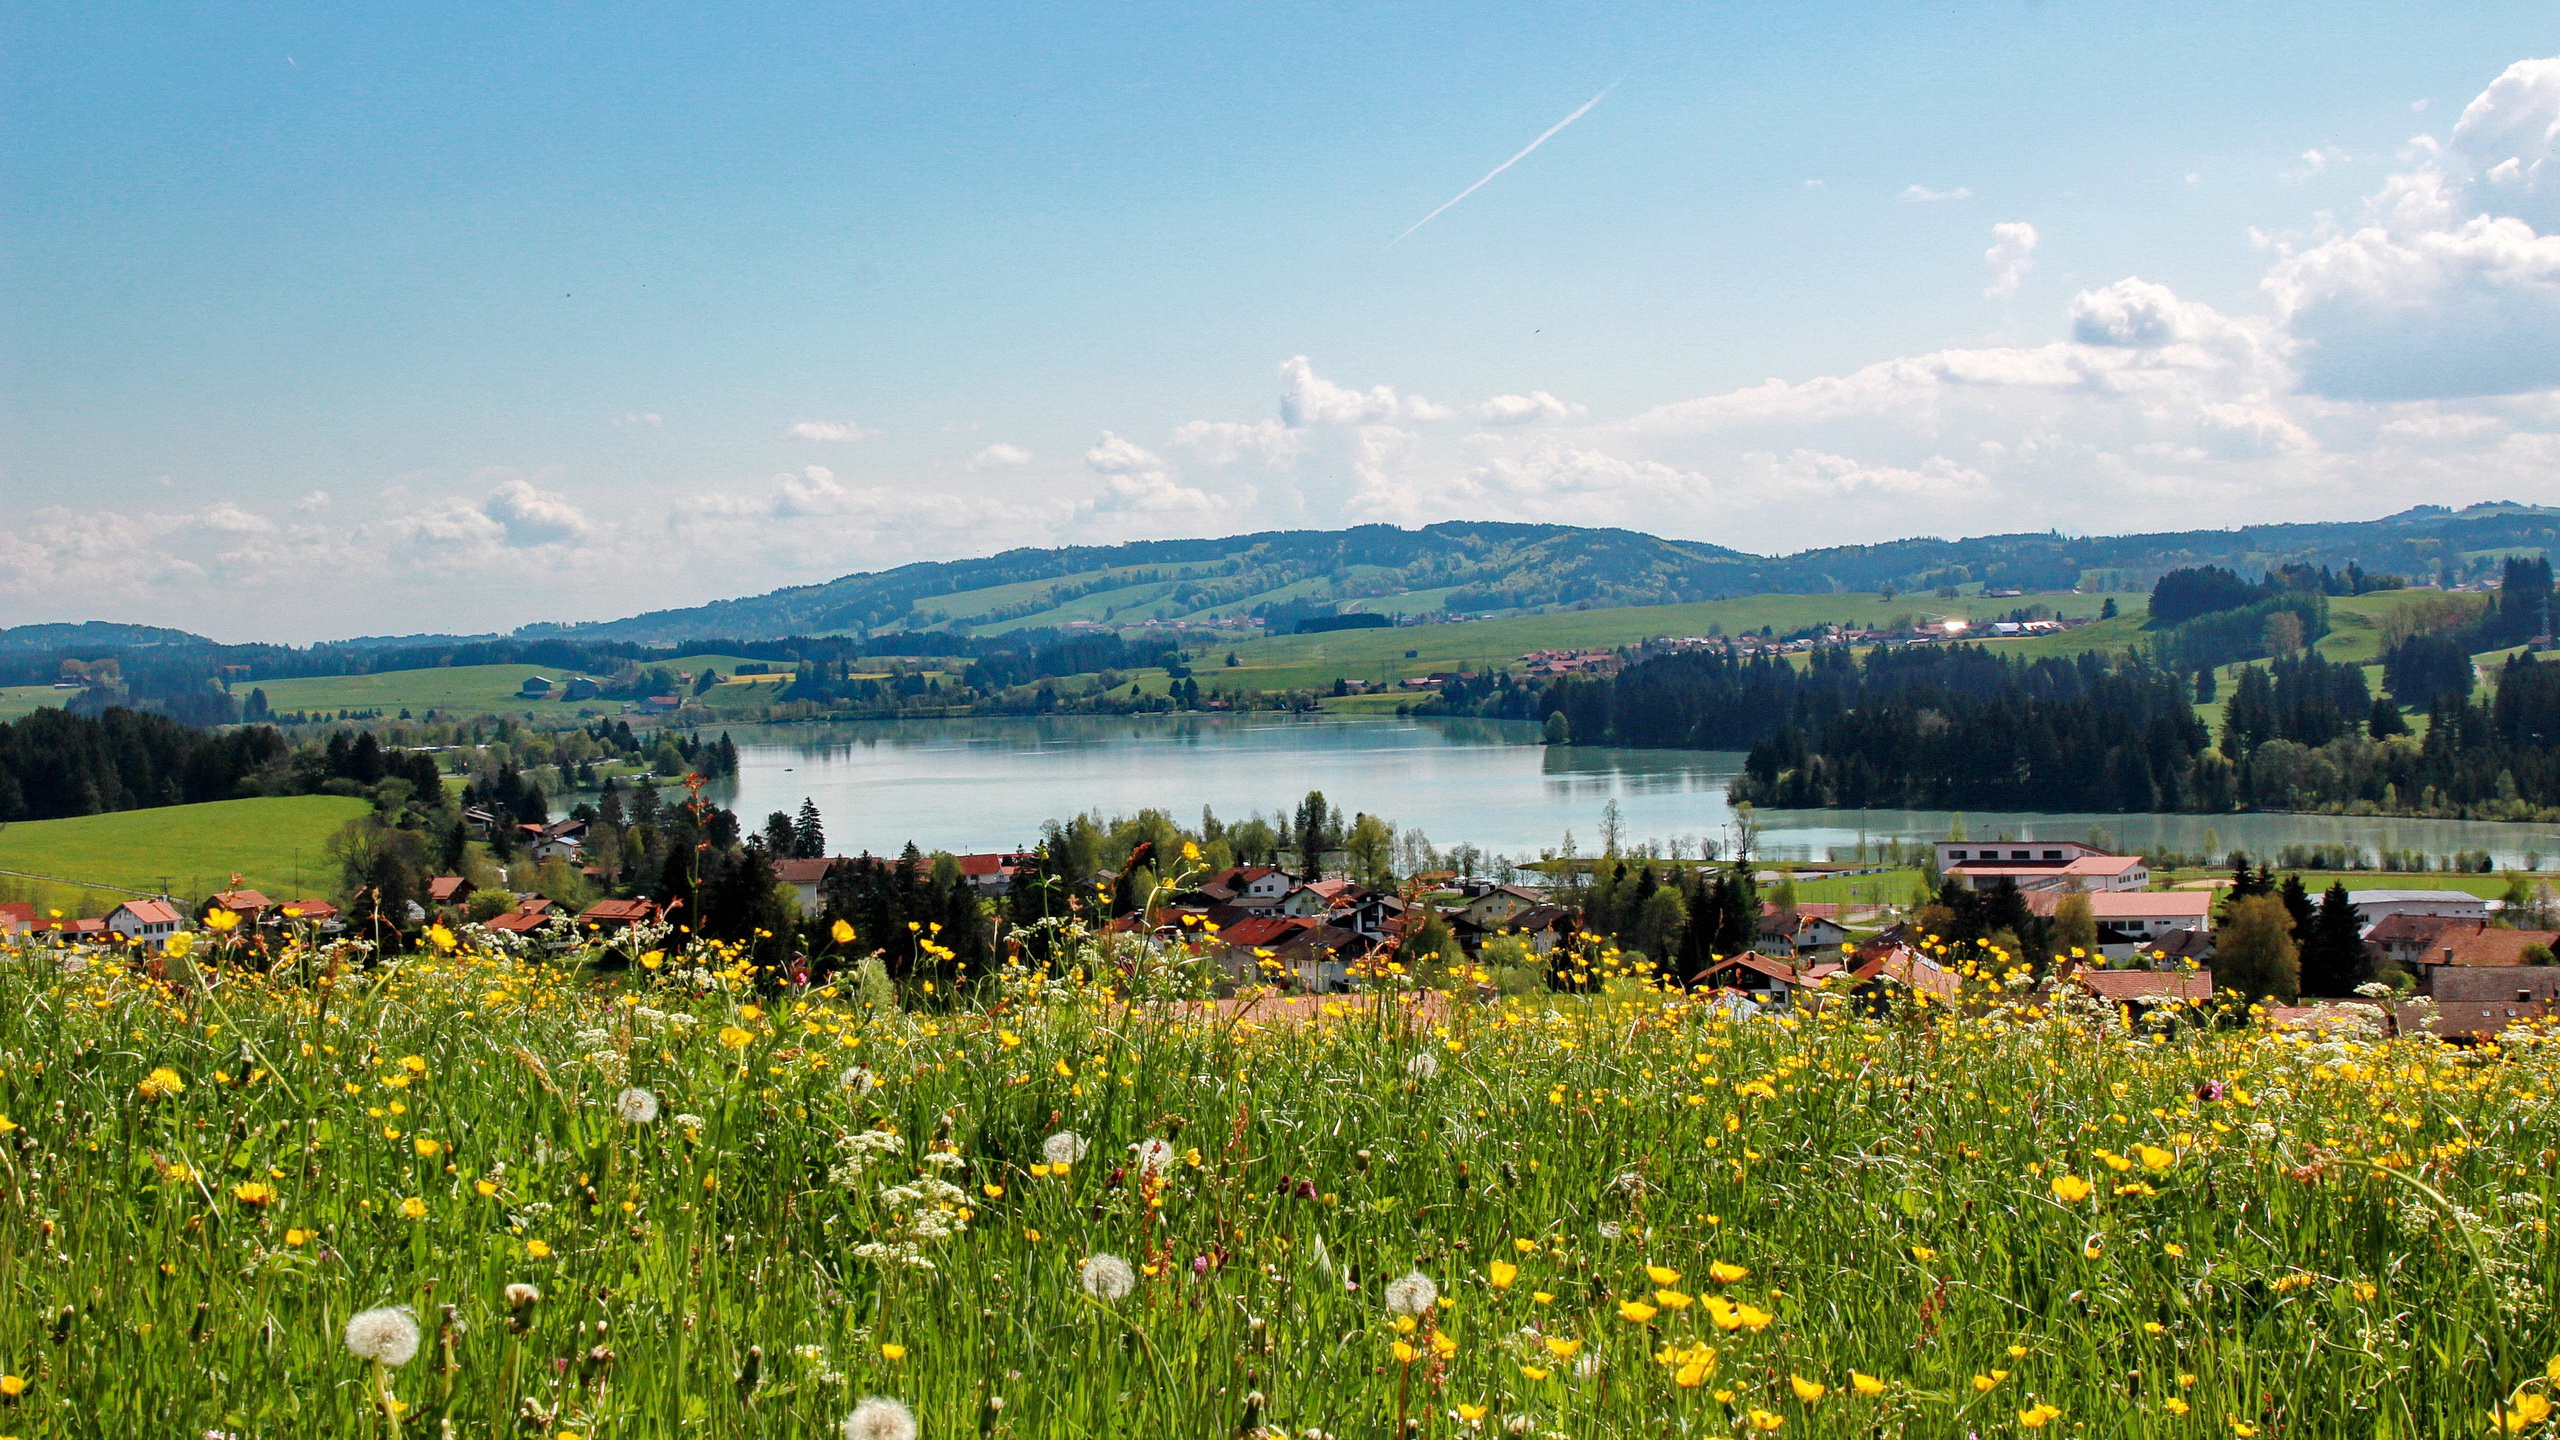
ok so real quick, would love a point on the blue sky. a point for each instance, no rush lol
(567, 312)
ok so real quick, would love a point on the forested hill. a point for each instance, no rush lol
(1478, 568)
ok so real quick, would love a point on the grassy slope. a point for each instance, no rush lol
(467, 689)
(17, 700)
(194, 847)
(1311, 661)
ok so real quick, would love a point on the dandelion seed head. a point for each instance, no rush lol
(1107, 1277)
(521, 1296)
(1153, 1155)
(857, 1077)
(385, 1335)
(1064, 1148)
(880, 1418)
(636, 1106)
(1423, 1065)
(1412, 1294)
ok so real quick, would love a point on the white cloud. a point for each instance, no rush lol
(831, 430)
(1134, 479)
(1307, 398)
(2012, 254)
(650, 418)
(2311, 163)
(314, 500)
(1535, 408)
(2452, 286)
(1923, 195)
(529, 517)
(999, 455)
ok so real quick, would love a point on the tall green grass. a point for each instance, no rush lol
(2279, 1236)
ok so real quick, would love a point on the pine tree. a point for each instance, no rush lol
(808, 837)
(2335, 961)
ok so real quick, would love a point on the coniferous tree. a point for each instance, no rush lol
(2335, 961)
(808, 836)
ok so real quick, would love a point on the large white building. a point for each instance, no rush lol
(2056, 865)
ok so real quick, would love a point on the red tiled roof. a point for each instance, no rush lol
(517, 922)
(1264, 931)
(2106, 905)
(443, 888)
(242, 902)
(1776, 970)
(2461, 945)
(618, 912)
(803, 872)
(2161, 987)
(312, 908)
(975, 866)
(159, 912)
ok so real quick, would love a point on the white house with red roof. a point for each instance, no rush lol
(148, 923)
(2056, 865)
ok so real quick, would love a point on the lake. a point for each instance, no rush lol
(987, 784)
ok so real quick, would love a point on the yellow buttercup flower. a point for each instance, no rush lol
(842, 931)
(1500, 1274)
(414, 1208)
(890, 1351)
(2035, 1416)
(1636, 1311)
(1563, 1349)
(1807, 1391)
(536, 1250)
(1764, 1422)
(160, 1084)
(1405, 1352)
(2070, 1189)
(2154, 1158)
(1661, 1275)
(1865, 1384)
(735, 1038)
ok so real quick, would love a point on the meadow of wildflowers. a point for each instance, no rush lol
(471, 1194)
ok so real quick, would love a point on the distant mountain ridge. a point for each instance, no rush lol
(1485, 567)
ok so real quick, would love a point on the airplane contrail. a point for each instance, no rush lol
(1507, 164)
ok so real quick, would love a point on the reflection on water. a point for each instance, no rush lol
(982, 784)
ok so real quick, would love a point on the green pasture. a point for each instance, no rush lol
(275, 844)
(22, 700)
(460, 689)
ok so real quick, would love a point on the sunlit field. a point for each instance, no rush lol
(465, 1194)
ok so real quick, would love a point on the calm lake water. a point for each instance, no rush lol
(987, 784)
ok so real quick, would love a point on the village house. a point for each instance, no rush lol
(992, 874)
(2479, 1003)
(147, 923)
(2420, 940)
(1768, 982)
(250, 905)
(613, 915)
(1251, 888)
(1289, 951)
(806, 879)
(2375, 906)
(450, 890)
(1806, 929)
(17, 917)
(2139, 991)
(2136, 917)
(535, 687)
(2040, 865)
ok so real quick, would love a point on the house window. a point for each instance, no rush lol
(2017, 854)
(1955, 854)
(2053, 854)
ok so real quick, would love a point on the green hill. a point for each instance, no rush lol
(1483, 568)
(276, 845)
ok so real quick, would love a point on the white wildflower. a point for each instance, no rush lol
(385, 1335)
(1413, 1294)
(1107, 1277)
(1611, 1229)
(880, 1418)
(1064, 1148)
(858, 1078)
(636, 1106)
(944, 1160)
